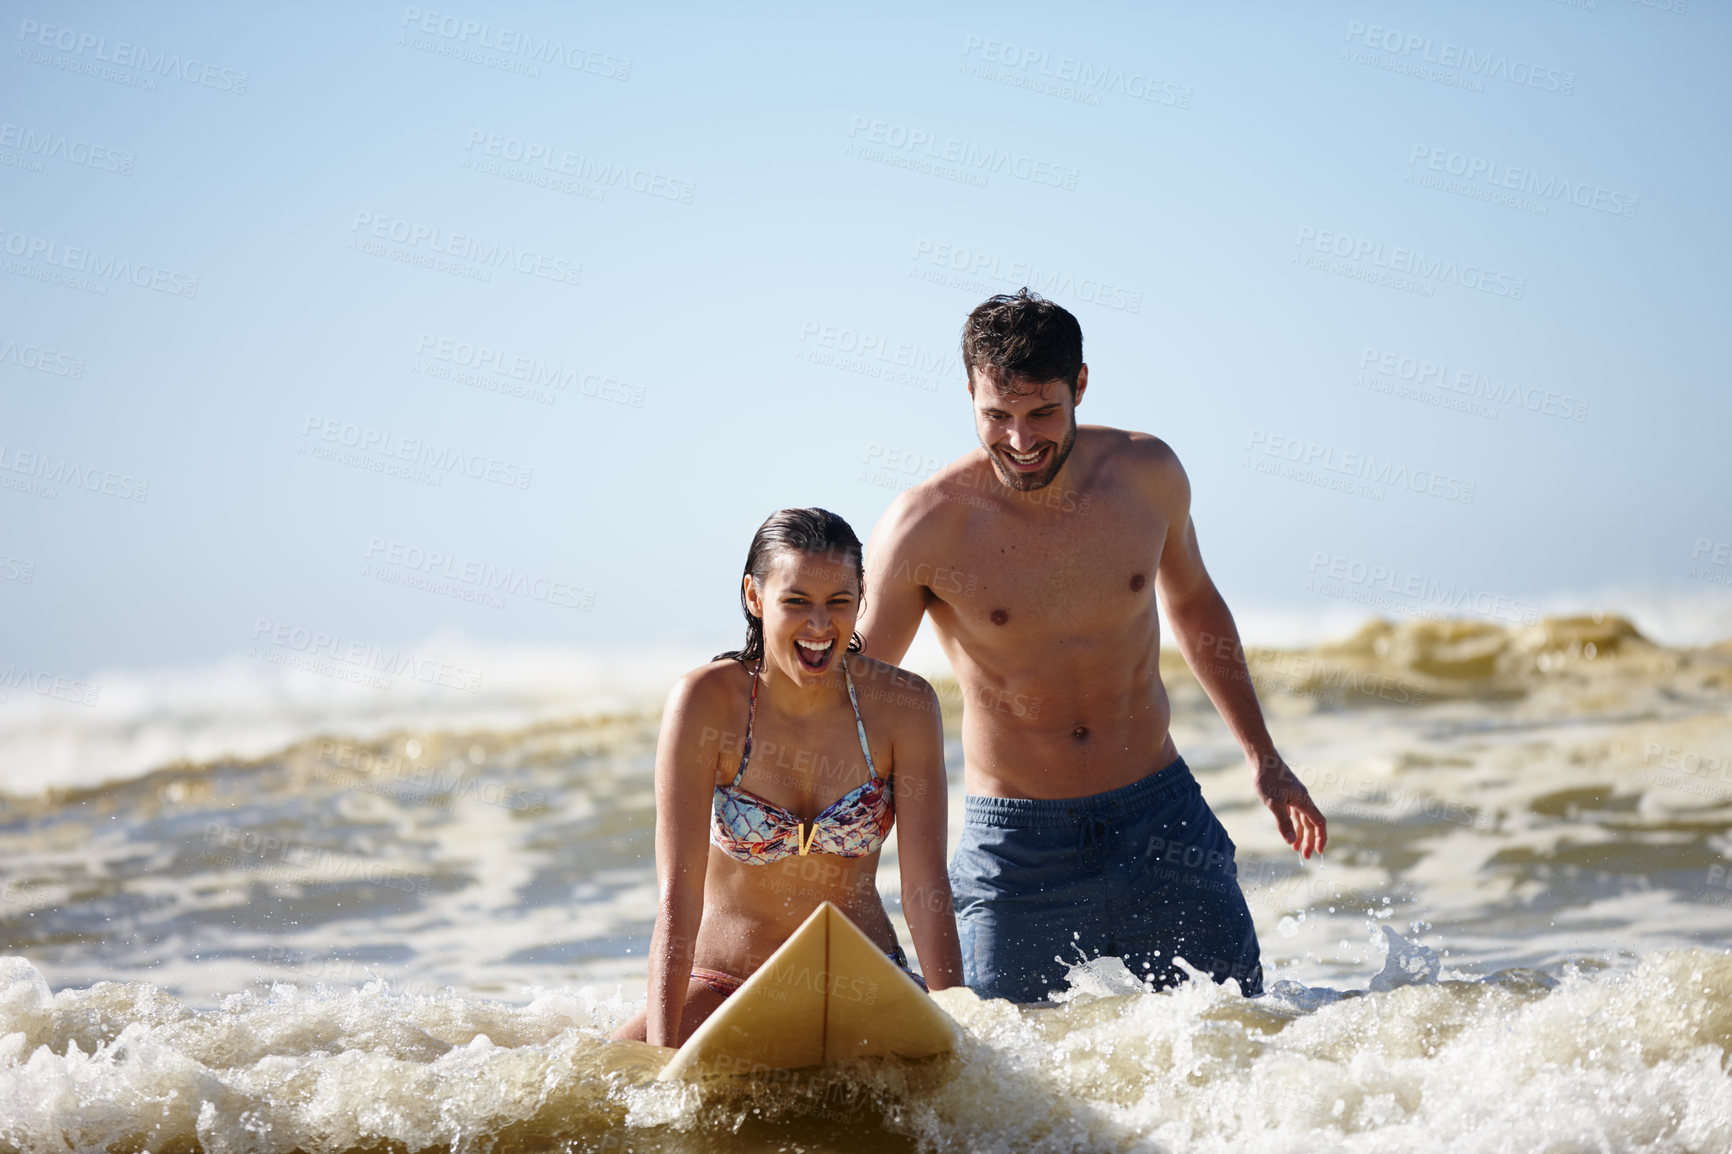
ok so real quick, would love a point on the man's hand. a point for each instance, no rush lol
(1296, 815)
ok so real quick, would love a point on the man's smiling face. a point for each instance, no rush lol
(1026, 427)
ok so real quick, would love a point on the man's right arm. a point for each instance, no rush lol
(895, 601)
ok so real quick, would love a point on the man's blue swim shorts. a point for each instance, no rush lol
(1144, 873)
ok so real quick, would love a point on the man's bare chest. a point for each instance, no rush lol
(1072, 570)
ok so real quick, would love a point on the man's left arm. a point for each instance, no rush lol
(1204, 630)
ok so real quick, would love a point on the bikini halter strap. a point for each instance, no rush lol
(752, 713)
(859, 725)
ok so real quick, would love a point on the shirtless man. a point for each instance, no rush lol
(1039, 557)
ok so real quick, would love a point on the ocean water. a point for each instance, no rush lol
(256, 909)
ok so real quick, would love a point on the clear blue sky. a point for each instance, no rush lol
(743, 193)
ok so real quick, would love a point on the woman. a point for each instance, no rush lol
(777, 777)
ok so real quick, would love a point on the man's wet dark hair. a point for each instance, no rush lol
(802, 531)
(1025, 336)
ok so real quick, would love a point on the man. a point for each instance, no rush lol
(1039, 557)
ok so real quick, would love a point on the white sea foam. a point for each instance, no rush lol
(1627, 1060)
(243, 708)
(1621, 1061)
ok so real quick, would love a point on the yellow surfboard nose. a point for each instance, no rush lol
(827, 994)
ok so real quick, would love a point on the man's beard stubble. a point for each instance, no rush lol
(1027, 483)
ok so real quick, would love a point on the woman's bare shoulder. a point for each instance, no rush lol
(708, 688)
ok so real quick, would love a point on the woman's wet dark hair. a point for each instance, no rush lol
(802, 531)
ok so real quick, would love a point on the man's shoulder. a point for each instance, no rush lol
(1132, 444)
(903, 689)
(1136, 455)
(933, 504)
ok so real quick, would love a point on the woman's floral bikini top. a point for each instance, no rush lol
(757, 832)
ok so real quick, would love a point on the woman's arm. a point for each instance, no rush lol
(685, 779)
(922, 801)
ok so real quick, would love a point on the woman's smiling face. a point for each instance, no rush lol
(808, 603)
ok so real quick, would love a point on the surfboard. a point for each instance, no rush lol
(826, 995)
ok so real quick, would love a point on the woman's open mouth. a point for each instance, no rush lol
(814, 655)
